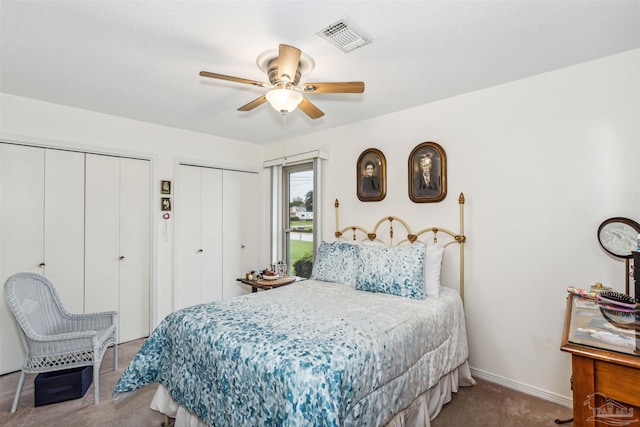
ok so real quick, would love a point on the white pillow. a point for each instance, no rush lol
(432, 266)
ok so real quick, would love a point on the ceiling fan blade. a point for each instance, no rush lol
(310, 109)
(336, 87)
(232, 79)
(253, 104)
(288, 62)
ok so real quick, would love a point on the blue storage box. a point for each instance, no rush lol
(58, 386)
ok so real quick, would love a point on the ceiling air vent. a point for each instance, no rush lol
(344, 35)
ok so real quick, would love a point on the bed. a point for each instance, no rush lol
(372, 339)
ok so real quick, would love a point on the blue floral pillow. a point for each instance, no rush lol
(396, 270)
(336, 262)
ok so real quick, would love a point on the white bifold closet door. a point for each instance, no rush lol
(117, 252)
(251, 216)
(41, 230)
(216, 232)
(64, 226)
(199, 235)
(83, 221)
(232, 196)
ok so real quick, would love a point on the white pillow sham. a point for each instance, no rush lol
(432, 267)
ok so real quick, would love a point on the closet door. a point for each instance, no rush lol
(199, 239)
(135, 248)
(211, 228)
(217, 232)
(21, 234)
(117, 250)
(188, 211)
(22, 209)
(240, 224)
(102, 234)
(64, 226)
(41, 229)
(232, 232)
(250, 223)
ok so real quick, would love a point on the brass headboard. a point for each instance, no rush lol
(359, 233)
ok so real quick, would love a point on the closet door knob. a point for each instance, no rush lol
(41, 265)
(199, 251)
(121, 257)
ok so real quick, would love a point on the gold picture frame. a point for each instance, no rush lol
(165, 187)
(427, 167)
(165, 204)
(371, 176)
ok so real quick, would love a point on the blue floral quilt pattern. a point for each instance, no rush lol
(309, 354)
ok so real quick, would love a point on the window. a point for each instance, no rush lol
(296, 209)
(298, 218)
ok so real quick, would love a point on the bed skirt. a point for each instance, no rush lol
(422, 410)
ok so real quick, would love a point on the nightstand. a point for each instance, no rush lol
(265, 285)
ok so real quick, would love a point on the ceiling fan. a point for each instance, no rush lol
(284, 68)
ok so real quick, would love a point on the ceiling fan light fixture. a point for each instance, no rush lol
(284, 100)
(284, 69)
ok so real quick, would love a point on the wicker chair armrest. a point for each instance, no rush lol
(103, 320)
(100, 314)
(62, 337)
(111, 314)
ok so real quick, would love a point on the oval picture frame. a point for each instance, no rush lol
(371, 185)
(427, 167)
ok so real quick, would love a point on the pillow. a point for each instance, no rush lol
(432, 265)
(396, 270)
(336, 262)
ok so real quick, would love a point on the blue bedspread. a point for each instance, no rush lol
(308, 354)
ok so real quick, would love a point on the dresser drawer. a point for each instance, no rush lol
(617, 382)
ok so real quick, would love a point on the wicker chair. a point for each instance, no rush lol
(53, 338)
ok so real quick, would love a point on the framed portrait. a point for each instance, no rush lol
(165, 203)
(427, 173)
(371, 176)
(165, 187)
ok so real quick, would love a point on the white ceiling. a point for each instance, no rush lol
(141, 59)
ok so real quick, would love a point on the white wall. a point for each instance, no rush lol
(28, 120)
(542, 162)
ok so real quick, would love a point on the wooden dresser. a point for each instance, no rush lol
(605, 358)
